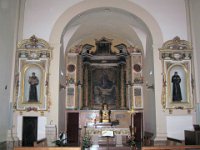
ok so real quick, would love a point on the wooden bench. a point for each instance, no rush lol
(40, 143)
(181, 147)
(47, 148)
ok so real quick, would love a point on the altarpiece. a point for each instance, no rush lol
(176, 56)
(32, 75)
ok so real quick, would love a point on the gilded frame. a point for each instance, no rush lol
(26, 68)
(33, 57)
(183, 69)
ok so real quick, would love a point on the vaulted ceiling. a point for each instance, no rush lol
(108, 22)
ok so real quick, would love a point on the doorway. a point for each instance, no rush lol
(138, 124)
(73, 128)
(29, 132)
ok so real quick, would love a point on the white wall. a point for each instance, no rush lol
(176, 126)
(8, 11)
(170, 15)
(40, 16)
(195, 31)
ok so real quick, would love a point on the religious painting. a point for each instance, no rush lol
(104, 86)
(178, 84)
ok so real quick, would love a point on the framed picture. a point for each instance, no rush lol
(137, 97)
(178, 84)
(32, 85)
(70, 96)
(104, 87)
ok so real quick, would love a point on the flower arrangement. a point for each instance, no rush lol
(62, 141)
(131, 141)
(86, 141)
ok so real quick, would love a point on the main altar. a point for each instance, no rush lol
(104, 74)
(106, 131)
(117, 136)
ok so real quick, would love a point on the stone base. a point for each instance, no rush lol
(160, 143)
(51, 133)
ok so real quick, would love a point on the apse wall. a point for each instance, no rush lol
(39, 18)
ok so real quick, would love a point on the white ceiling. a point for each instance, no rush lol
(108, 22)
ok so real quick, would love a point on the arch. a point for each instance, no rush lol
(83, 6)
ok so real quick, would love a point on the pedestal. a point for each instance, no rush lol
(95, 140)
(51, 133)
(118, 140)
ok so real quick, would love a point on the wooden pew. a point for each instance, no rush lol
(40, 143)
(181, 147)
(47, 148)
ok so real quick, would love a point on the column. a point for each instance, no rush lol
(80, 82)
(122, 105)
(85, 85)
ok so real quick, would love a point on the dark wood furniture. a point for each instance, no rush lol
(192, 137)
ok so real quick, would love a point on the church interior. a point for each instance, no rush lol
(99, 74)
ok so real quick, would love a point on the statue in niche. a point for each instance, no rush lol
(105, 113)
(176, 90)
(105, 90)
(33, 81)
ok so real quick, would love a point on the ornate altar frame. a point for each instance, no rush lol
(176, 57)
(34, 55)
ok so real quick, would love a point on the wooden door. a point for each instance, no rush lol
(73, 128)
(138, 124)
(29, 133)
